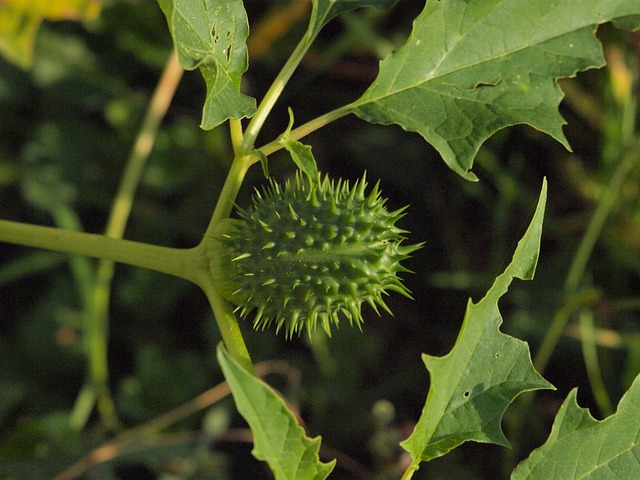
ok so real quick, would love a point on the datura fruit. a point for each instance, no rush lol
(309, 252)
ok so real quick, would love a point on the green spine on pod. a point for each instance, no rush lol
(309, 251)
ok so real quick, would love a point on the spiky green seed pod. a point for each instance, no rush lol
(307, 252)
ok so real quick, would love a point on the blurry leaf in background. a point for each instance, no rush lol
(20, 20)
(164, 378)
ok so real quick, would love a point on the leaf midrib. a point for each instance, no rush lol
(364, 101)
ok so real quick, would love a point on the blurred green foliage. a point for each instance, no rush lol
(66, 128)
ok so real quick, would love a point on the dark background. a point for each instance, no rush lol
(66, 128)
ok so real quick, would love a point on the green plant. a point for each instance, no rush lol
(458, 80)
(312, 250)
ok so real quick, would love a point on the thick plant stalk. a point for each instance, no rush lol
(222, 309)
(97, 318)
(183, 263)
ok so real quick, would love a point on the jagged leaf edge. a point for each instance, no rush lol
(570, 407)
(223, 99)
(500, 286)
(240, 382)
(463, 166)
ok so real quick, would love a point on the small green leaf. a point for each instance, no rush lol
(264, 161)
(581, 447)
(324, 10)
(300, 153)
(471, 68)
(212, 35)
(474, 383)
(277, 437)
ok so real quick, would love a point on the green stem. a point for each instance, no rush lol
(309, 127)
(582, 255)
(573, 303)
(590, 354)
(97, 328)
(408, 473)
(274, 92)
(604, 209)
(235, 128)
(190, 264)
(576, 300)
(181, 263)
(229, 191)
(229, 329)
(82, 268)
(222, 309)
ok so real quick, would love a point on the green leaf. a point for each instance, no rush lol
(470, 68)
(264, 161)
(300, 153)
(212, 35)
(581, 447)
(474, 383)
(277, 437)
(325, 10)
(21, 19)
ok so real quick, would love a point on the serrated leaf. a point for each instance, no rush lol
(584, 448)
(212, 36)
(325, 10)
(485, 370)
(277, 437)
(470, 68)
(21, 19)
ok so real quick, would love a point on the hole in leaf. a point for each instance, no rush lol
(466, 394)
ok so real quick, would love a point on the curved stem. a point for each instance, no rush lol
(309, 127)
(141, 150)
(97, 318)
(229, 328)
(191, 264)
(590, 354)
(274, 92)
(222, 309)
(582, 255)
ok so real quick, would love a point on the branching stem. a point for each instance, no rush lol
(274, 92)
(309, 127)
